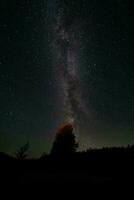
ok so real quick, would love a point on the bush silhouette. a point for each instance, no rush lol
(64, 143)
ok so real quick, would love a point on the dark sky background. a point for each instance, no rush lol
(99, 38)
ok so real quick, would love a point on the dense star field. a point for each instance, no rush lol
(66, 61)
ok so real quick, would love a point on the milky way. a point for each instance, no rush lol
(63, 60)
(65, 47)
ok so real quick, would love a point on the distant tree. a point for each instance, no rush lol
(22, 153)
(65, 143)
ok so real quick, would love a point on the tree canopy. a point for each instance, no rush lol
(65, 143)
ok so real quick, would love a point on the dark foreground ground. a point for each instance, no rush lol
(89, 173)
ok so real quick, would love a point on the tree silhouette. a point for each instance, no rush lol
(22, 152)
(43, 155)
(64, 144)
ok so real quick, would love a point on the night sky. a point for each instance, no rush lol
(66, 61)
